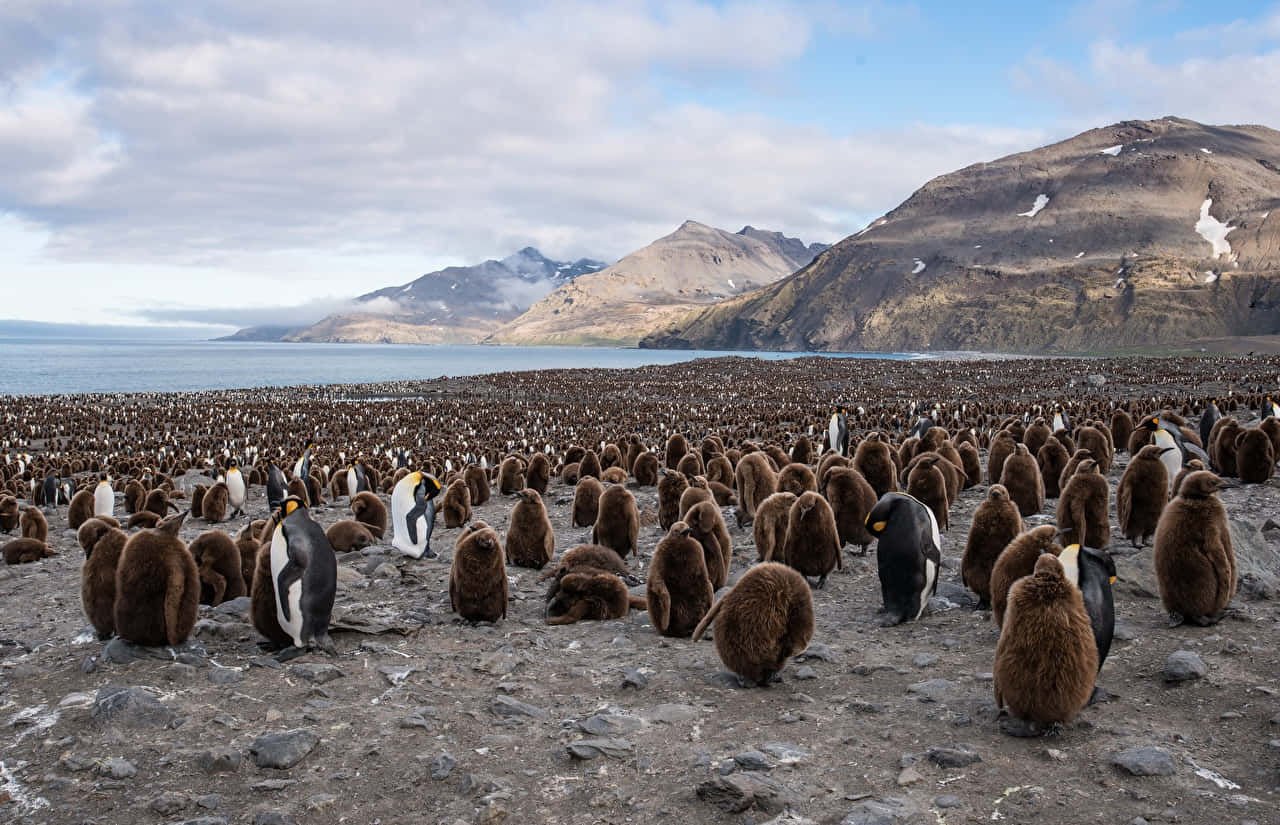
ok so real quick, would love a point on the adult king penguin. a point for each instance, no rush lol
(838, 431)
(357, 481)
(908, 555)
(236, 490)
(104, 498)
(277, 486)
(1167, 434)
(413, 514)
(1093, 571)
(304, 574)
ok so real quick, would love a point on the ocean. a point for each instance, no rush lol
(42, 366)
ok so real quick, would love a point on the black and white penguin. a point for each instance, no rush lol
(304, 573)
(1209, 417)
(838, 431)
(908, 555)
(357, 481)
(1167, 434)
(1094, 571)
(104, 498)
(277, 485)
(52, 486)
(1061, 421)
(413, 514)
(236, 490)
(922, 425)
(1269, 407)
(302, 467)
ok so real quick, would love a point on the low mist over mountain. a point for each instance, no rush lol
(455, 305)
(1140, 234)
(694, 266)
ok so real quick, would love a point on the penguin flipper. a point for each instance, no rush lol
(289, 574)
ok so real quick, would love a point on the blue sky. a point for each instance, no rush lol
(235, 162)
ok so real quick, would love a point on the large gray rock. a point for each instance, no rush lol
(1184, 666)
(1148, 761)
(130, 706)
(283, 750)
(1257, 560)
(742, 792)
(506, 706)
(887, 810)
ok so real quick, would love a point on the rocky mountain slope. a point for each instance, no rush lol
(455, 305)
(1141, 234)
(694, 266)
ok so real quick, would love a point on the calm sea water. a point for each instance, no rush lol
(35, 366)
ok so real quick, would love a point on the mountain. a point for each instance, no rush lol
(1139, 234)
(19, 329)
(694, 266)
(263, 333)
(459, 304)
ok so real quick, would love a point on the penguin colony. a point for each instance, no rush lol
(802, 502)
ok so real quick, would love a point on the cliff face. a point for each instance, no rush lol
(694, 266)
(1141, 234)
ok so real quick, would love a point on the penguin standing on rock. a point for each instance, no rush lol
(304, 574)
(908, 555)
(413, 514)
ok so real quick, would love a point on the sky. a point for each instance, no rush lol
(238, 162)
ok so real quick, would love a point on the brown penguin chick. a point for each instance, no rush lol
(591, 556)
(952, 475)
(1002, 446)
(691, 465)
(297, 488)
(33, 525)
(80, 509)
(812, 546)
(314, 488)
(1137, 440)
(709, 530)
(1121, 427)
(218, 562)
(157, 588)
(262, 594)
(538, 474)
(829, 462)
(617, 523)
(720, 471)
(477, 576)
(1065, 439)
(1084, 508)
(762, 622)
(611, 456)
(144, 519)
(874, 460)
(671, 487)
(135, 494)
(1053, 459)
(770, 527)
(338, 485)
(102, 548)
(996, 523)
(371, 512)
(586, 502)
(247, 546)
(696, 493)
(569, 474)
(1142, 494)
(1195, 564)
(645, 469)
(926, 484)
(455, 506)
(1077, 458)
(157, 501)
(635, 449)
(1222, 445)
(613, 475)
(802, 451)
(586, 593)
(1046, 659)
(214, 505)
(110, 521)
(851, 499)
(197, 501)
(1016, 560)
(1022, 479)
(24, 551)
(755, 481)
(511, 476)
(906, 451)
(678, 591)
(724, 496)
(677, 448)
(970, 463)
(349, 535)
(589, 466)
(1255, 457)
(796, 478)
(573, 454)
(1271, 426)
(10, 513)
(1190, 467)
(1036, 435)
(531, 541)
(478, 484)
(1093, 440)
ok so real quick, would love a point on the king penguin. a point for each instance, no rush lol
(1209, 417)
(1167, 434)
(357, 481)
(838, 431)
(304, 574)
(235, 488)
(1093, 571)
(413, 514)
(908, 555)
(104, 498)
(277, 486)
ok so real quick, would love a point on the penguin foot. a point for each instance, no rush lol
(1101, 696)
(1205, 621)
(1176, 619)
(822, 581)
(890, 620)
(290, 652)
(1021, 728)
(325, 644)
(428, 553)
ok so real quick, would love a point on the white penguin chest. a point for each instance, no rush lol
(235, 489)
(280, 558)
(104, 500)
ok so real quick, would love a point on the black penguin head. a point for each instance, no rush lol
(290, 505)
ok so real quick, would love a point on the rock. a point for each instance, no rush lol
(784, 752)
(396, 675)
(634, 679)
(946, 800)
(605, 724)
(225, 676)
(957, 594)
(204, 820)
(188, 653)
(753, 761)
(924, 660)
(130, 706)
(909, 776)
(273, 818)
(210, 802)
(611, 747)
(790, 818)
(818, 651)
(237, 608)
(321, 801)
(931, 690)
(273, 784)
(887, 810)
(169, 803)
(961, 756)
(742, 792)
(509, 707)
(321, 673)
(1257, 561)
(670, 714)
(442, 766)
(1184, 666)
(117, 768)
(1148, 761)
(386, 570)
(501, 662)
(225, 759)
(283, 750)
